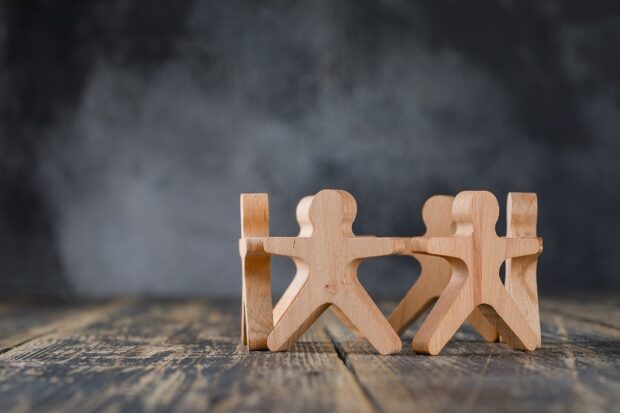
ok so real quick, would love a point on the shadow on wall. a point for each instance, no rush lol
(129, 129)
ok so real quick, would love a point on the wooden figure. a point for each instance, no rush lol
(256, 312)
(475, 253)
(302, 214)
(327, 258)
(522, 214)
(435, 272)
(255, 222)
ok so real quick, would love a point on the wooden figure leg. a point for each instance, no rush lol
(302, 214)
(450, 312)
(420, 297)
(417, 300)
(296, 319)
(483, 326)
(257, 313)
(435, 272)
(301, 276)
(359, 308)
(522, 214)
(342, 317)
(291, 292)
(512, 325)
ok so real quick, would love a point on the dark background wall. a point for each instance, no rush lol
(128, 129)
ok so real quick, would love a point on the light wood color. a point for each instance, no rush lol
(522, 215)
(302, 214)
(256, 306)
(327, 260)
(475, 253)
(435, 272)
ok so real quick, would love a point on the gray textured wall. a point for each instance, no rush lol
(129, 129)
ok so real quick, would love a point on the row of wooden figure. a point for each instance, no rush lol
(460, 256)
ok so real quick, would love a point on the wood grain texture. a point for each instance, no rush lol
(435, 273)
(302, 214)
(475, 253)
(577, 370)
(22, 321)
(596, 309)
(256, 306)
(521, 219)
(183, 355)
(327, 258)
(174, 356)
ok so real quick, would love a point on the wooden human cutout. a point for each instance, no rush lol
(435, 273)
(475, 253)
(305, 230)
(522, 214)
(256, 310)
(302, 214)
(327, 259)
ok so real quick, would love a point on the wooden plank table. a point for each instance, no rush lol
(184, 355)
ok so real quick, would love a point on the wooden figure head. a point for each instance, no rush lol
(437, 216)
(333, 209)
(303, 216)
(475, 209)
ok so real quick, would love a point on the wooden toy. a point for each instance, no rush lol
(256, 270)
(435, 272)
(256, 312)
(305, 230)
(475, 253)
(327, 255)
(460, 267)
(522, 214)
(302, 214)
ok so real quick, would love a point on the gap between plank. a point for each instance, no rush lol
(340, 351)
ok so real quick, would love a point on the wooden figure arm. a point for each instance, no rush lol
(287, 246)
(521, 247)
(451, 247)
(252, 246)
(367, 247)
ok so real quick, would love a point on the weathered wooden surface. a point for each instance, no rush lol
(185, 355)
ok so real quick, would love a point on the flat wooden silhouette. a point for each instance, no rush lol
(256, 310)
(522, 215)
(302, 214)
(475, 253)
(327, 257)
(435, 273)
(256, 280)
